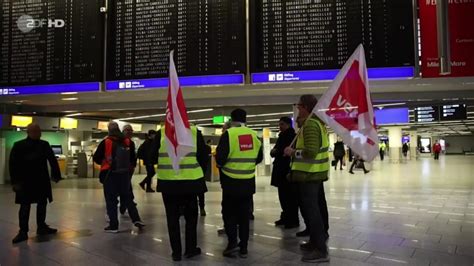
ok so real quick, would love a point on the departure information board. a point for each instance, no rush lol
(50, 41)
(208, 38)
(290, 35)
(427, 114)
(453, 112)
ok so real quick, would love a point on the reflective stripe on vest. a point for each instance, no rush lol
(244, 146)
(320, 163)
(189, 168)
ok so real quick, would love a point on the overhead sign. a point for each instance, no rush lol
(320, 75)
(54, 88)
(21, 121)
(461, 35)
(427, 114)
(453, 112)
(231, 79)
(68, 123)
(387, 116)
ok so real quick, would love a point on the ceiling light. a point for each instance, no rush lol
(69, 93)
(201, 119)
(388, 104)
(271, 114)
(76, 114)
(163, 114)
(257, 125)
(70, 99)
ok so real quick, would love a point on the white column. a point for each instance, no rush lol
(332, 140)
(395, 144)
(413, 144)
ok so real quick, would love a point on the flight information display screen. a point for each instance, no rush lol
(453, 112)
(50, 42)
(208, 38)
(322, 34)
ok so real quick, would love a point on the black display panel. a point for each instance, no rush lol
(208, 38)
(50, 41)
(322, 34)
(453, 112)
(427, 114)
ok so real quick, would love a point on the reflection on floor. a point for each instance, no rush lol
(414, 213)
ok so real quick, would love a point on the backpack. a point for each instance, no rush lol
(121, 157)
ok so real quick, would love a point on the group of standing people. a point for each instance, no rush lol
(301, 166)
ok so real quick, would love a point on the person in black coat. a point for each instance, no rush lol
(339, 153)
(30, 179)
(281, 167)
(144, 153)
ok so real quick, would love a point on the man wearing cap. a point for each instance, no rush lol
(238, 153)
(144, 153)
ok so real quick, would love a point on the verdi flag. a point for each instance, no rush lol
(346, 107)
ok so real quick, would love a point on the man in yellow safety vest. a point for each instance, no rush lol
(238, 153)
(309, 169)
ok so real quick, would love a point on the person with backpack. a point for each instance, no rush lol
(115, 159)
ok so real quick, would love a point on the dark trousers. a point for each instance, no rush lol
(173, 206)
(118, 185)
(314, 210)
(288, 203)
(150, 173)
(436, 155)
(382, 154)
(24, 215)
(359, 163)
(201, 198)
(338, 159)
(236, 215)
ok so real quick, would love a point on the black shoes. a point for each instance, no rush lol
(46, 230)
(193, 253)
(139, 225)
(202, 212)
(351, 172)
(243, 253)
(306, 247)
(279, 222)
(315, 256)
(111, 229)
(231, 250)
(176, 257)
(365, 172)
(20, 237)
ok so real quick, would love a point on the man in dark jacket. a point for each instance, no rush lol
(144, 152)
(31, 180)
(281, 168)
(180, 190)
(115, 159)
(339, 153)
(238, 153)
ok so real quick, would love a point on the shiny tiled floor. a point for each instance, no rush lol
(414, 213)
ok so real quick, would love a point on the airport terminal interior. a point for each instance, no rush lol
(72, 67)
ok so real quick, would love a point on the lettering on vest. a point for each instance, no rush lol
(245, 142)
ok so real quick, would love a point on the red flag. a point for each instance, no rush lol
(179, 138)
(346, 107)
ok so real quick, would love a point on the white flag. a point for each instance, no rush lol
(346, 107)
(178, 134)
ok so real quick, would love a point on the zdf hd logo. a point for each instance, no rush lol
(27, 23)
